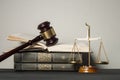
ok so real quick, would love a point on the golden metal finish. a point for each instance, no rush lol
(87, 69)
(63, 67)
(88, 43)
(63, 57)
(44, 67)
(44, 57)
(73, 62)
(99, 54)
(73, 56)
(48, 34)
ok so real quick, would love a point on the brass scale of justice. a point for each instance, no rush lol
(88, 68)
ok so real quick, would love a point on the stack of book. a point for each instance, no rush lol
(56, 59)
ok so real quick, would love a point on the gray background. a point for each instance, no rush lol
(68, 18)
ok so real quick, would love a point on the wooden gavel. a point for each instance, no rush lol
(47, 34)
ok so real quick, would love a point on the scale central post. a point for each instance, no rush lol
(88, 68)
(88, 33)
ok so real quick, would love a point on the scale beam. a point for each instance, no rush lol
(91, 39)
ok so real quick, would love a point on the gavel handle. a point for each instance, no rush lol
(15, 50)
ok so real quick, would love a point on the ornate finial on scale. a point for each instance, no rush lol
(88, 31)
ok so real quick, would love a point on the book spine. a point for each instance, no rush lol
(43, 67)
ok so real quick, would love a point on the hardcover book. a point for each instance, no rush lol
(61, 57)
(44, 67)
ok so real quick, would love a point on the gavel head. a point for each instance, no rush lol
(48, 33)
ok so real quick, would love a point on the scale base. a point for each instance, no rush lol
(87, 69)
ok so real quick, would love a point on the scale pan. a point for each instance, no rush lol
(102, 62)
(73, 62)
